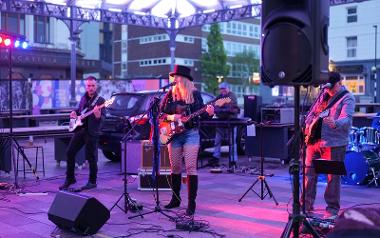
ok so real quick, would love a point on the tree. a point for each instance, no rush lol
(246, 62)
(214, 61)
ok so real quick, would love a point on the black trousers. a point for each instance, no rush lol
(79, 139)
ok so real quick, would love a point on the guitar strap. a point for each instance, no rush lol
(336, 99)
(91, 106)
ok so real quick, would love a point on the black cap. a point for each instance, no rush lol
(334, 77)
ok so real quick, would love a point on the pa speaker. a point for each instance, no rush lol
(252, 107)
(294, 42)
(78, 213)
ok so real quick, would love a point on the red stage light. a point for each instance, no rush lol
(7, 42)
(1, 39)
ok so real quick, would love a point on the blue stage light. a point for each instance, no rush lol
(24, 45)
(17, 43)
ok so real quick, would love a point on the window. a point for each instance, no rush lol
(355, 84)
(153, 38)
(12, 22)
(41, 29)
(352, 43)
(153, 62)
(352, 15)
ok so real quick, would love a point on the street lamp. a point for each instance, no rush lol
(374, 68)
(375, 26)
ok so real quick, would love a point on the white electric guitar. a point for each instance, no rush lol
(77, 122)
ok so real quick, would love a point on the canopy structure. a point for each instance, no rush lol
(171, 15)
(151, 13)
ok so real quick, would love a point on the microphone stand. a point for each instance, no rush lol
(129, 203)
(154, 112)
(265, 189)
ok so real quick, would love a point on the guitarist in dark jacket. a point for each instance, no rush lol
(184, 99)
(327, 128)
(87, 135)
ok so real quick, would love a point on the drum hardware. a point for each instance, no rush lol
(375, 175)
(362, 167)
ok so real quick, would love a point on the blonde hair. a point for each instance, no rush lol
(184, 93)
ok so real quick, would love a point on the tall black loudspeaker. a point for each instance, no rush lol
(252, 107)
(294, 46)
(78, 213)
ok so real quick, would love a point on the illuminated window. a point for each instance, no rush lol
(355, 84)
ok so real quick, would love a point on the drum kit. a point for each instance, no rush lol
(362, 157)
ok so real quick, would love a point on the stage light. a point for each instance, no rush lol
(7, 42)
(24, 45)
(10, 40)
(17, 43)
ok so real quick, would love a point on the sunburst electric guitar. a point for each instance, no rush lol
(169, 129)
(77, 122)
(310, 137)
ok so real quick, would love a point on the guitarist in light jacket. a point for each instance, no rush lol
(184, 99)
(328, 139)
(87, 134)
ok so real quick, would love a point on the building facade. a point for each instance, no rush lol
(147, 51)
(48, 55)
(353, 39)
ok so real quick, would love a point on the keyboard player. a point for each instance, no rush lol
(226, 112)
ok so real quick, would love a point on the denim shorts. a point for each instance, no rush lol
(188, 137)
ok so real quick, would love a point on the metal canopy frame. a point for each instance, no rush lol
(75, 13)
(74, 16)
(70, 11)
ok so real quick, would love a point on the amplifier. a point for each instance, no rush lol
(146, 183)
(140, 155)
(277, 115)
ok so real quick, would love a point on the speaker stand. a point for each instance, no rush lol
(296, 218)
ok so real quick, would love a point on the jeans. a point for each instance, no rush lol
(79, 139)
(184, 146)
(332, 192)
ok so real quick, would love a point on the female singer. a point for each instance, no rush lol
(184, 99)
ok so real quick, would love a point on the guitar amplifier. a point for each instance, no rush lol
(277, 115)
(140, 153)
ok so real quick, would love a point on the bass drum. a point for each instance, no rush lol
(359, 166)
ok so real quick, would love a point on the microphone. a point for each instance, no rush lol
(168, 85)
(327, 85)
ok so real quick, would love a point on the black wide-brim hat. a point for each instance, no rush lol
(181, 70)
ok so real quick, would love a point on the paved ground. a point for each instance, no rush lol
(25, 215)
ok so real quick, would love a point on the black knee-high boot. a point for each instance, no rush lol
(192, 183)
(176, 187)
